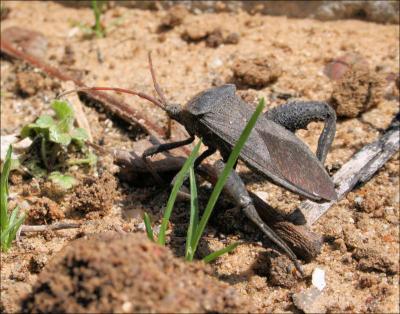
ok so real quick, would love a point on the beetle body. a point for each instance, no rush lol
(218, 116)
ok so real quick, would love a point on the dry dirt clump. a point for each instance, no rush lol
(29, 83)
(94, 195)
(371, 260)
(174, 17)
(43, 211)
(256, 72)
(29, 41)
(213, 35)
(357, 91)
(125, 274)
(278, 268)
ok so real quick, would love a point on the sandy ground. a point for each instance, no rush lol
(361, 248)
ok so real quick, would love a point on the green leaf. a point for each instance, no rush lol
(29, 130)
(57, 136)
(172, 197)
(194, 215)
(65, 114)
(79, 134)
(62, 109)
(92, 159)
(44, 121)
(210, 257)
(149, 230)
(226, 172)
(64, 181)
(41, 125)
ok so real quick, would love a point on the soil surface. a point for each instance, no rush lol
(98, 275)
(282, 59)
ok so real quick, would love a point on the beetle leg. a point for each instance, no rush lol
(197, 162)
(204, 155)
(164, 147)
(297, 115)
(236, 189)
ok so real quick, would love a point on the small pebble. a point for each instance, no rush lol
(318, 278)
(216, 63)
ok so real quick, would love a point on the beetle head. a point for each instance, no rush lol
(173, 111)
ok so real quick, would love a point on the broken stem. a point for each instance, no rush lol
(359, 169)
(42, 228)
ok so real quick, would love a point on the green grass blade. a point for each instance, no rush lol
(4, 190)
(13, 216)
(172, 197)
(194, 215)
(4, 238)
(210, 257)
(96, 7)
(14, 229)
(149, 230)
(225, 173)
(9, 223)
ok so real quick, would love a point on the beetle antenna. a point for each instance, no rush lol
(156, 86)
(115, 89)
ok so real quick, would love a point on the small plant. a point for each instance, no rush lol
(98, 27)
(196, 227)
(53, 141)
(10, 223)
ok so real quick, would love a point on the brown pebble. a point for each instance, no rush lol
(357, 91)
(215, 38)
(232, 38)
(340, 245)
(256, 72)
(339, 66)
(367, 281)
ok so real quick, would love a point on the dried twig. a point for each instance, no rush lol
(122, 109)
(55, 226)
(359, 169)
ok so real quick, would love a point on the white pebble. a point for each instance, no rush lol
(318, 278)
(216, 63)
(263, 195)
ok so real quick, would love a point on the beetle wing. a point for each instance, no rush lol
(274, 151)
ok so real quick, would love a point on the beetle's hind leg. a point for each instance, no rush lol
(197, 162)
(203, 156)
(298, 114)
(236, 189)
